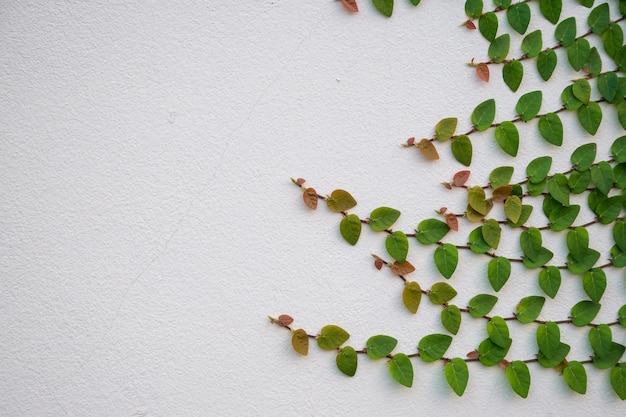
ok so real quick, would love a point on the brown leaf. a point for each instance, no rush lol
(310, 198)
(452, 222)
(504, 364)
(470, 25)
(285, 320)
(300, 181)
(472, 355)
(350, 5)
(427, 149)
(300, 342)
(460, 178)
(378, 263)
(442, 210)
(501, 193)
(402, 268)
(410, 141)
(482, 70)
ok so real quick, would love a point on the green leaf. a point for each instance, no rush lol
(415, 2)
(578, 53)
(477, 243)
(558, 188)
(609, 210)
(548, 339)
(462, 149)
(550, 280)
(601, 339)
(584, 312)
(484, 114)
(546, 63)
(412, 296)
(619, 176)
(445, 129)
(518, 16)
(488, 25)
(583, 262)
(507, 137)
(621, 316)
(607, 85)
(490, 354)
(384, 6)
(621, 114)
(579, 181)
(383, 218)
(512, 74)
(549, 205)
(474, 8)
(401, 369)
(527, 209)
(551, 128)
(331, 337)
(565, 32)
(432, 347)
(491, 233)
(551, 10)
(618, 149)
(446, 259)
(543, 258)
(477, 200)
(576, 377)
(599, 19)
(619, 234)
(587, 3)
(340, 200)
(556, 359)
(594, 62)
(498, 272)
(498, 332)
(518, 375)
(610, 359)
(569, 99)
(502, 3)
(300, 342)
(590, 116)
(482, 304)
(578, 242)
(537, 170)
(499, 48)
(397, 245)
(531, 243)
(612, 39)
(500, 176)
(532, 44)
(528, 308)
(513, 208)
(380, 346)
(618, 380)
(441, 293)
(451, 318)
(431, 231)
(347, 360)
(582, 90)
(563, 217)
(457, 375)
(602, 176)
(350, 228)
(582, 158)
(618, 257)
(528, 105)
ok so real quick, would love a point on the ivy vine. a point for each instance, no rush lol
(601, 181)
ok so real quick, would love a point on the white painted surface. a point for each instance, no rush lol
(148, 224)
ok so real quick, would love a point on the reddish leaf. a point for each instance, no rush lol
(482, 70)
(460, 178)
(310, 198)
(410, 141)
(472, 355)
(428, 150)
(504, 364)
(350, 5)
(452, 222)
(470, 25)
(378, 263)
(285, 320)
(300, 181)
(442, 210)
(501, 193)
(402, 268)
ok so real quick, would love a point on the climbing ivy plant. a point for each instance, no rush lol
(504, 204)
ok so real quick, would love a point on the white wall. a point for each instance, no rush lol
(149, 226)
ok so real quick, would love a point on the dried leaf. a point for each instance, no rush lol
(285, 320)
(482, 70)
(300, 181)
(350, 5)
(402, 268)
(472, 355)
(378, 263)
(410, 141)
(501, 193)
(460, 178)
(452, 222)
(427, 149)
(300, 342)
(470, 25)
(310, 198)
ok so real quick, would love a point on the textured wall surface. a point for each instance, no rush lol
(148, 225)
